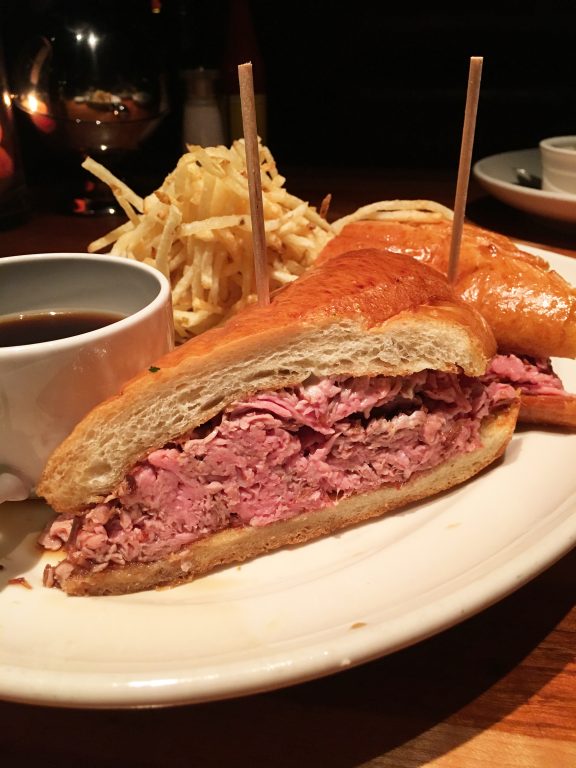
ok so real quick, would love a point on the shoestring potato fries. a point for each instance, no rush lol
(196, 229)
(396, 210)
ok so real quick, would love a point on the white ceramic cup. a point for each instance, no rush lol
(47, 387)
(558, 157)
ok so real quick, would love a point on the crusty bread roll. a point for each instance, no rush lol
(358, 315)
(531, 308)
(362, 314)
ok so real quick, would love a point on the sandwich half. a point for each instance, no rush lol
(361, 388)
(531, 309)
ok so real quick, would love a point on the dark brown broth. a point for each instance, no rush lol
(35, 327)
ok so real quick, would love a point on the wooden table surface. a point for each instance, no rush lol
(496, 690)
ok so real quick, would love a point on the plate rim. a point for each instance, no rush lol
(321, 660)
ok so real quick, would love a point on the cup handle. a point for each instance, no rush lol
(12, 487)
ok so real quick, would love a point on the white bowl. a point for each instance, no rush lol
(46, 387)
(558, 155)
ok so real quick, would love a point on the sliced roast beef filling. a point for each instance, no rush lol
(533, 376)
(277, 454)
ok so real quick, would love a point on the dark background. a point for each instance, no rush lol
(362, 85)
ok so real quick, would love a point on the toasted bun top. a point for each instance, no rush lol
(530, 307)
(368, 312)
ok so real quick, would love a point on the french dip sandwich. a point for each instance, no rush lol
(361, 388)
(530, 308)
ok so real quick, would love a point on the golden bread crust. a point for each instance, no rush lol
(531, 309)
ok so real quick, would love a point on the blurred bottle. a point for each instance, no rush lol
(13, 190)
(202, 121)
(242, 47)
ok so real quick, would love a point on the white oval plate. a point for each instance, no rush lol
(497, 175)
(297, 614)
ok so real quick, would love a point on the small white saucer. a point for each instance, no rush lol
(498, 176)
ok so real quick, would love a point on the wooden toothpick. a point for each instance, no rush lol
(473, 92)
(254, 181)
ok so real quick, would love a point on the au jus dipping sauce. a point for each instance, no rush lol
(36, 327)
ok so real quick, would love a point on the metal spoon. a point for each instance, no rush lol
(527, 179)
